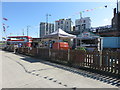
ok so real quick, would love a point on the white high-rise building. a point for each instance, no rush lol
(51, 27)
(42, 29)
(64, 24)
(83, 23)
(46, 28)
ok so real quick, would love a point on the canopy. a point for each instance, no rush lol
(59, 34)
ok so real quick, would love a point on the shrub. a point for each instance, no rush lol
(81, 48)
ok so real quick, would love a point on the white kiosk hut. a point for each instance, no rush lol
(89, 40)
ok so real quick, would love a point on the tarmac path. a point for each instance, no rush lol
(20, 71)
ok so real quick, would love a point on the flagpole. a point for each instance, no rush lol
(28, 30)
(80, 15)
(23, 32)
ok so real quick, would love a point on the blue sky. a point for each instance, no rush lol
(22, 14)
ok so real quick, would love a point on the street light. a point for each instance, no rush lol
(28, 30)
(23, 32)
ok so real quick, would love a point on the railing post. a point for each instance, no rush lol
(37, 50)
(22, 49)
(49, 53)
(100, 59)
(28, 50)
(69, 61)
(118, 55)
(68, 55)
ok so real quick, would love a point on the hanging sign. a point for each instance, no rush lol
(86, 34)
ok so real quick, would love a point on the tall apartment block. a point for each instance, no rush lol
(46, 28)
(64, 24)
(82, 23)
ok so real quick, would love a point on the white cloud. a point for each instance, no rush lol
(107, 21)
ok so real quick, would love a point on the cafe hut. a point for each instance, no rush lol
(89, 40)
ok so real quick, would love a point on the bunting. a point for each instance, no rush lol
(5, 19)
(3, 38)
(89, 10)
(11, 33)
(8, 26)
(4, 25)
(4, 28)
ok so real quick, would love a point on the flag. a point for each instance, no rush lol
(8, 26)
(10, 33)
(48, 14)
(106, 6)
(3, 24)
(87, 10)
(83, 11)
(5, 19)
(4, 28)
(4, 38)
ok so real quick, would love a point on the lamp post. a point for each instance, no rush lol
(23, 32)
(28, 30)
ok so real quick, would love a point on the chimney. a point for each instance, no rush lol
(114, 12)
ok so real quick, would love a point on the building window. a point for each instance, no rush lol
(84, 21)
(83, 26)
(61, 22)
(58, 23)
(61, 27)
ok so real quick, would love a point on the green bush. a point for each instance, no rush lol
(80, 48)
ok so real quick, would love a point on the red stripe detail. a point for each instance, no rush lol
(17, 40)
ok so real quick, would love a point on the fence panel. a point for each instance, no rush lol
(77, 57)
(96, 60)
(104, 61)
(118, 63)
(110, 61)
(107, 61)
(20, 50)
(25, 51)
(33, 51)
(43, 53)
(89, 59)
(59, 55)
(113, 62)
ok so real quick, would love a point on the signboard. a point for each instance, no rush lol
(86, 34)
